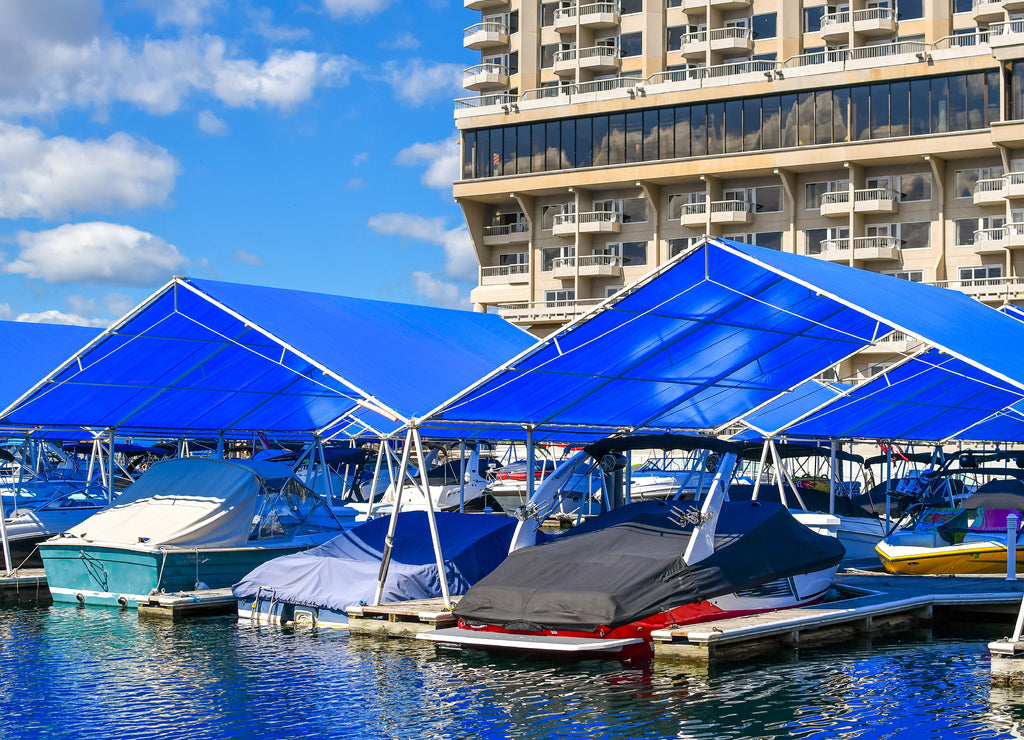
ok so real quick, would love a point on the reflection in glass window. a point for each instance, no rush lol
(812, 18)
(908, 9)
(965, 228)
(634, 210)
(962, 6)
(634, 253)
(813, 239)
(631, 44)
(768, 240)
(915, 235)
(916, 186)
(768, 199)
(763, 25)
(914, 276)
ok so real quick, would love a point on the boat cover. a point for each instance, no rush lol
(186, 502)
(344, 571)
(628, 565)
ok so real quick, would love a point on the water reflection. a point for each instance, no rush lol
(70, 672)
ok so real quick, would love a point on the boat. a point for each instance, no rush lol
(604, 586)
(27, 527)
(315, 587)
(186, 524)
(452, 484)
(969, 538)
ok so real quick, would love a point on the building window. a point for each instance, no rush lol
(550, 254)
(768, 240)
(915, 187)
(631, 253)
(763, 26)
(965, 180)
(547, 55)
(909, 9)
(547, 14)
(628, 7)
(515, 258)
(965, 228)
(914, 276)
(981, 274)
(959, 102)
(915, 234)
(548, 213)
(634, 210)
(631, 44)
(814, 190)
(962, 6)
(559, 296)
(675, 246)
(767, 199)
(815, 240)
(812, 20)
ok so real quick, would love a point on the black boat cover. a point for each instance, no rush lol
(628, 565)
(344, 571)
(813, 499)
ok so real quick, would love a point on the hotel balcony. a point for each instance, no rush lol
(497, 236)
(600, 15)
(485, 36)
(541, 312)
(990, 241)
(874, 22)
(835, 250)
(1013, 5)
(990, 192)
(565, 63)
(505, 275)
(599, 222)
(893, 343)
(694, 214)
(1006, 40)
(731, 212)
(1014, 235)
(1014, 185)
(600, 59)
(565, 20)
(987, 290)
(484, 4)
(590, 265)
(835, 203)
(987, 11)
(731, 40)
(485, 77)
(564, 224)
(835, 27)
(876, 248)
(875, 200)
(694, 45)
(729, 4)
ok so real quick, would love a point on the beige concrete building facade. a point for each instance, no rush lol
(602, 138)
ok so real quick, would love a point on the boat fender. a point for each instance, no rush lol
(201, 586)
(80, 597)
(122, 601)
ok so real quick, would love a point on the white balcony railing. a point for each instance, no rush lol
(990, 185)
(962, 40)
(834, 198)
(485, 101)
(694, 209)
(600, 260)
(1001, 32)
(877, 51)
(546, 311)
(505, 271)
(506, 229)
(486, 27)
(564, 219)
(834, 19)
(731, 32)
(988, 237)
(835, 246)
(872, 194)
(599, 217)
(731, 206)
(876, 242)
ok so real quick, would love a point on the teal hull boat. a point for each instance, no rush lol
(119, 575)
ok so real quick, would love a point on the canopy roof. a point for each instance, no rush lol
(32, 350)
(202, 356)
(721, 331)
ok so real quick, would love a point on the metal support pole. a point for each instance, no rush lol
(832, 479)
(1011, 547)
(220, 445)
(110, 464)
(629, 477)
(888, 485)
(432, 521)
(9, 567)
(531, 461)
(789, 480)
(381, 452)
(389, 540)
(760, 470)
(462, 476)
(324, 467)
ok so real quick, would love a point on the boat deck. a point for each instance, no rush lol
(186, 604)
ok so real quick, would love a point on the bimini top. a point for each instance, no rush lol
(202, 356)
(199, 502)
(32, 350)
(718, 333)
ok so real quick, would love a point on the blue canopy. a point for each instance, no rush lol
(202, 356)
(780, 411)
(720, 331)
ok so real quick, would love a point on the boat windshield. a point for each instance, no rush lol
(287, 508)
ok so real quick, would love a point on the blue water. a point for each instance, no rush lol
(69, 672)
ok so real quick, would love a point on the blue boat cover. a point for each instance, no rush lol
(344, 571)
(722, 330)
(204, 356)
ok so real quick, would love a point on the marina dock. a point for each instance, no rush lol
(401, 619)
(27, 585)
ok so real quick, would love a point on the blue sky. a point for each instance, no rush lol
(305, 144)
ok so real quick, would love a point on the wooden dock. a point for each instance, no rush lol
(187, 604)
(400, 619)
(876, 603)
(25, 586)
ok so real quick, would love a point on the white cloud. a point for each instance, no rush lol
(438, 292)
(247, 258)
(6, 312)
(361, 158)
(112, 304)
(355, 8)
(183, 13)
(404, 40)
(49, 65)
(263, 24)
(210, 124)
(417, 81)
(53, 316)
(461, 263)
(355, 183)
(441, 158)
(104, 253)
(50, 177)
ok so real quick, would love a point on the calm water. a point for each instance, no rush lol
(68, 672)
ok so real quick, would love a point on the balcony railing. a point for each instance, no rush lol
(731, 206)
(564, 219)
(873, 14)
(962, 40)
(834, 19)
(999, 31)
(504, 271)
(995, 289)
(600, 260)
(484, 101)
(834, 198)
(835, 246)
(991, 185)
(546, 311)
(599, 217)
(984, 237)
(562, 14)
(581, 88)
(872, 194)
(506, 229)
(694, 209)
(896, 48)
(486, 27)
(876, 242)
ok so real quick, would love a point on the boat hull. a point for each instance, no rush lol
(112, 575)
(265, 610)
(962, 559)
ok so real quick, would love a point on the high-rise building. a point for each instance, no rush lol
(605, 137)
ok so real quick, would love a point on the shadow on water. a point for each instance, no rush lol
(68, 672)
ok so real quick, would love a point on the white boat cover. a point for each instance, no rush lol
(185, 502)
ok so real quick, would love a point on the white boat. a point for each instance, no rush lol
(451, 484)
